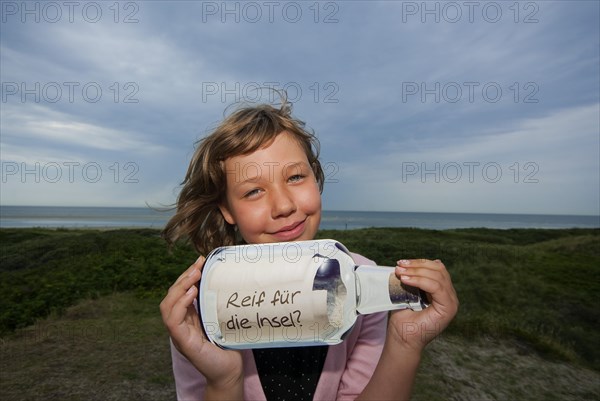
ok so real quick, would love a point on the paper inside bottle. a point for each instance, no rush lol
(278, 303)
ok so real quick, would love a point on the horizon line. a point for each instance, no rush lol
(324, 210)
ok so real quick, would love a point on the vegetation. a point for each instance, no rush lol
(74, 302)
(45, 271)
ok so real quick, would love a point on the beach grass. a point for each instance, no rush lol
(45, 271)
(79, 311)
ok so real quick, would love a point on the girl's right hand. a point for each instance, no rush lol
(221, 368)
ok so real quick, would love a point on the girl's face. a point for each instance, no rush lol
(272, 194)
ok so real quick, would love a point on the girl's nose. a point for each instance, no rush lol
(282, 203)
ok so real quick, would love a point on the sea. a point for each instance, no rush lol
(146, 217)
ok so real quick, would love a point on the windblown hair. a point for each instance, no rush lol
(197, 217)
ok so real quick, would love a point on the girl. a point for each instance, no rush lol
(257, 179)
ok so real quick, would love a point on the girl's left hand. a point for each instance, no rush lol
(414, 330)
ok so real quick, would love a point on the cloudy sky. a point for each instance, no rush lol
(486, 107)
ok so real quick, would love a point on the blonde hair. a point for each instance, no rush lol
(197, 217)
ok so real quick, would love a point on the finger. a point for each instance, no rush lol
(182, 318)
(183, 307)
(440, 290)
(429, 275)
(183, 284)
(421, 267)
(431, 264)
(432, 279)
(429, 285)
(197, 265)
(178, 289)
(421, 272)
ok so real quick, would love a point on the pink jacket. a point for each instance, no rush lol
(347, 370)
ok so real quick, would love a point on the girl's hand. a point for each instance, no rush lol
(415, 330)
(222, 368)
(408, 332)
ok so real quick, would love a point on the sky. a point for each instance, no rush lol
(484, 107)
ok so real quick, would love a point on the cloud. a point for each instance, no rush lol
(349, 66)
(40, 124)
(537, 167)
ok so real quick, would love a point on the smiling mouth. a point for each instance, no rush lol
(290, 227)
(290, 232)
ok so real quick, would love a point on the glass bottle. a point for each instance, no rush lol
(293, 294)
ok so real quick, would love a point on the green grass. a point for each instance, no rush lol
(45, 271)
(79, 311)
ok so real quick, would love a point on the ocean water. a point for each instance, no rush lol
(119, 217)
(81, 217)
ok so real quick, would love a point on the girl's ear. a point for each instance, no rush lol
(227, 214)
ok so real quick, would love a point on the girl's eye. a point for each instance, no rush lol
(252, 193)
(296, 178)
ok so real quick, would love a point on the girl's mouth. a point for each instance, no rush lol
(290, 232)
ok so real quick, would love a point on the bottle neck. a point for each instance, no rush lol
(378, 290)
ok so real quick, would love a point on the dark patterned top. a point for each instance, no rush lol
(290, 373)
